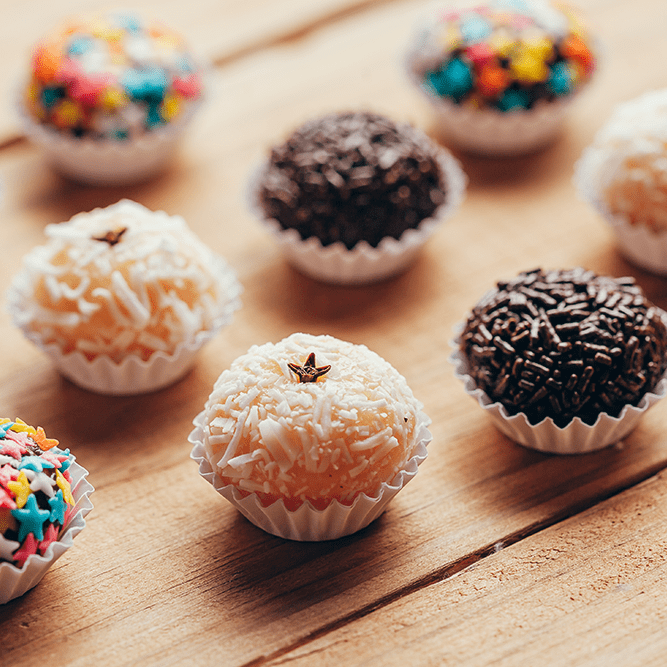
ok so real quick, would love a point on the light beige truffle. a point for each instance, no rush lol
(122, 281)
(346, 433)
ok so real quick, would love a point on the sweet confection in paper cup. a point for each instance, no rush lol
(310, 437)
(624, 175)
(122, 298)
(108, 96)
(44, 498)
(564, 361)
(500, 73)
(352, 197)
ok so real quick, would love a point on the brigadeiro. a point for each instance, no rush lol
(44, 497)
(122, 298)
(564, 361)
(311, 437)
(107, 97)
(352, 197)
(623, 174)
(501, 73)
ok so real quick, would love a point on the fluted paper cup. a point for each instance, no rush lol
(308, 524)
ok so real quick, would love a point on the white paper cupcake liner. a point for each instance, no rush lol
(363, 264)
(107, 162)
(307, 524)
(133, 375)
(640, 244)
(575, 438)
(15, 581)
(496, 133)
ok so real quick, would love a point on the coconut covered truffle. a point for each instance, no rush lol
(114, 76)
(351, 177)
(122, 281)
(625, 169)
(311, 418)
(565, 344)
(36, 498)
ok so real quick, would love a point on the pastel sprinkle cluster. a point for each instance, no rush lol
(508, 54)
(112, 77)
(35, 491)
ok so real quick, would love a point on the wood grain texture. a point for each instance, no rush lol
(587, 591)
(166, 572)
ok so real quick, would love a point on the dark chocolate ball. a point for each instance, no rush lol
(565, 344)
(352, 177)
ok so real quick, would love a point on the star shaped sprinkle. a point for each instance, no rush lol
(36, 463)
(309, 371)
(50, 535)
(112, 236)
(40, 481)
(31, 519)
(5, 425)
(42, 441)
(6, 500)
(28, 549)
(11, 448)
(65, 488)
(20, 437)
(9, 460)
(20, 488)
(19, 426)
(58, 507)
(7, 474)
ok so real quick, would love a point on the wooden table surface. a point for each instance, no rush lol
(494, 554)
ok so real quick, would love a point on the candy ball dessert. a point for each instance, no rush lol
(624, 175)
(499, 73)
(122, 297)
(310, 437)
(352, 196)
(107, 97)
(551, 350)
(43, 502)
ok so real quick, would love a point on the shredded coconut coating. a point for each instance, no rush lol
(628, 161)
(345, 434)
(157, 287)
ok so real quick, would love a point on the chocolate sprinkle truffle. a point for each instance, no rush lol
(352, 177)
(565, 344)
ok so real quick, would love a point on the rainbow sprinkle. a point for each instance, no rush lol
(111, 77)
(35, 491)
(507, 54)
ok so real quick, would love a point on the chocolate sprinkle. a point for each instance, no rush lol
(577, 345)
(351, 177)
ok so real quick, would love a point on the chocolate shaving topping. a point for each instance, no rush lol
(565, 344)
(112, 236)
(351, 177)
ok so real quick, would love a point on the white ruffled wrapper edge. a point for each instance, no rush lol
(308, 524)
(637, 242)
(107, 161)
(134, 375)
(575, 438)
(364, 264)
(15, 581)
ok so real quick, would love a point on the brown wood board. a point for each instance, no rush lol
(166, 572)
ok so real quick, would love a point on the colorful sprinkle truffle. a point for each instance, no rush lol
(114, 76)
(565, 344)
(36, 499)
(504, 54)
